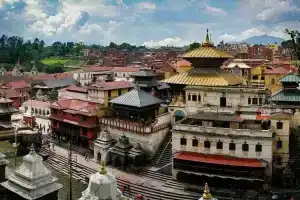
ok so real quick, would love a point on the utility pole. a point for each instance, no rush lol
(70, 170)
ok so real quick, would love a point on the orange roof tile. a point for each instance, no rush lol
(277, 70)
(125, 69)
(18, 84)
(38, 104)
(81, 107)
(220, 159)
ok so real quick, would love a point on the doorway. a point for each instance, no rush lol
(223, 102)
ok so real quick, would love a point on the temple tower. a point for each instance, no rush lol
(32, 180)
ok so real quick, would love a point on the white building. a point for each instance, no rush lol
(124, 73)
(41, 110)
(86, 75)
(73, 92)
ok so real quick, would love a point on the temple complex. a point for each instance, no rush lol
(32, 180)
(221, 132)
(136, 114)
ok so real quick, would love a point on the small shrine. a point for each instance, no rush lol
(32, 180)
(3, 70)
(206, 194)
(102, 185)
(103, 142)
(146, 79)
(34, 70)
(6, 110)
(136, 155)
(18, 69)
(120, 152)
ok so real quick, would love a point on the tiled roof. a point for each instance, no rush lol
(53, 76)
(280, 115)
(220, 160)
(37, 104)
(286, 95)
(237, 65)
(8, 93)
(290, 78)
(136, 98)
(18, 84)
(95, 68)
(125, 69)
(112, 85)
(81, 107)
(57, 83)
(277, 70)
(204, 76)
(75, 88)
(144, 72)
(206, 52)
(183, 62)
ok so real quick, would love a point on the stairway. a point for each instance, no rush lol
(164, 154)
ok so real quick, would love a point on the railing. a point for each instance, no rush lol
(170, 140)
(223, 131)
(131, 126)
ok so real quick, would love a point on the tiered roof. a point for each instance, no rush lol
(32, 180)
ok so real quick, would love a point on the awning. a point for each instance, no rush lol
(221, 160)
(262, 117)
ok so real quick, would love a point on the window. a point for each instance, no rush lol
(279, 144)
(189, 97)
(231, 146)
(194, 97)
(278, 160)
(195, 142)
(279, 125)
(260, 101)
(273, 81)
(84, 118)
(115, 74)
(32, 110)
(206, 144)
(109, 93)
(48, 112)
(219, 145)
(44, 112)
(258, 148)
(255, 77)
(262, 78)
(182, 141)
(254, 101)
(199, 97)
(119, 92)
(245, 147)
(249, 100)
(223, 101)
(40, 111)
(124, 74)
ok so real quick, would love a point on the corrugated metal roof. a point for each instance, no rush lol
(201, 76)
(136, 98)
(286, 95)
(206, 52)
(144, 72)
(290, 78)
(59, 83)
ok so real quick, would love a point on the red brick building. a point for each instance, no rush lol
(74, 120)
(260, 52)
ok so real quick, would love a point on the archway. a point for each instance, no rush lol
(179, 115)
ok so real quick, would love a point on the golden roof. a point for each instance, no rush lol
(204, 79)
(207, 50)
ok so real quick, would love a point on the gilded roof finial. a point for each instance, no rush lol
(207, 37)
(102, 169)
(206, 194)
(180, 98)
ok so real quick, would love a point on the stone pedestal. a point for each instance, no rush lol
(14, 196)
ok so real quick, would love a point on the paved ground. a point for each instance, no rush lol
(128, 177)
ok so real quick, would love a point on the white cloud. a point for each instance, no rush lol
(227, 38)
(251, 32)
(214, 10)
(146, 6)
(165, 42)
(274, 8)
(33, 10)
(10, 2)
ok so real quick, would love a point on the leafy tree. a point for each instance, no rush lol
(294, 42)
(193, 46)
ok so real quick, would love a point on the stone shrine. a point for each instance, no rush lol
(32, 180)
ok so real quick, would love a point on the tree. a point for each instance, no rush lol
(193, 46)
(294, 42)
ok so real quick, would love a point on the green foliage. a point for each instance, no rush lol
(193, 46)
(53, 95)
(57, 61)
(294, 43)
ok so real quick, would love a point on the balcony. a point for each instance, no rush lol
(223, 131)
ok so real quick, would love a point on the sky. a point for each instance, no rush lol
(147, 22)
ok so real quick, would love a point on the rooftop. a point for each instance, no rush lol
(112, 85)
(75, 106)
(136, 98)
(37, 104)
(57, 83)
(207, 52)
(144, 72)
(290, 77)
(277, 70)
(240, 65)
(75, 88)
(18, 84)
(125, 69)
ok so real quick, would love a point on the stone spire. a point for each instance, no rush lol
(32, 180)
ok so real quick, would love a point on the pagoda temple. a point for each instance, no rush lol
(206, 62)
(6, 110)
(32, 180)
